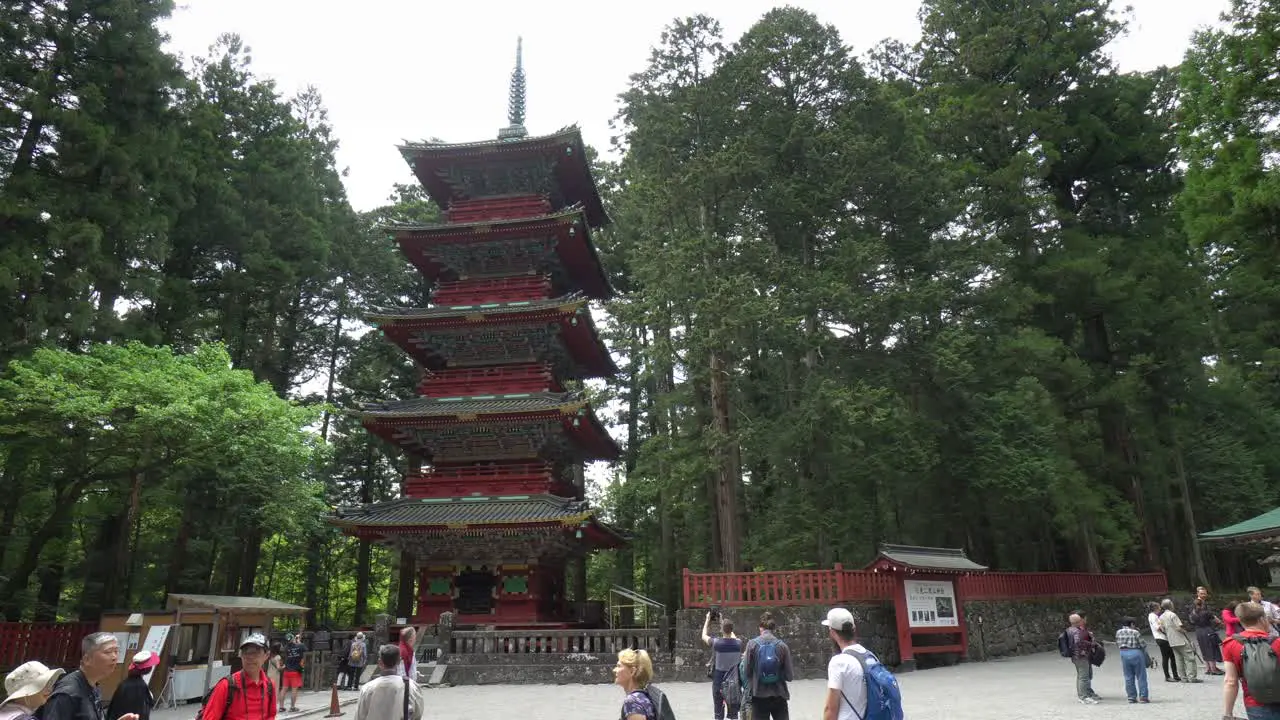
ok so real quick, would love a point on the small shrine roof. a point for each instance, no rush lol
(501, 510)
(474, 405)
(566, 304)
(945, 560)
(1261, 530)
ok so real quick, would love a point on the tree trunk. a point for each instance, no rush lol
(408, 576)
(14, 481)
(728, 467)
(626, 558)
(311, 584)
(56, 525)
(333, 365)
(51, 576)
(1189, 515)
(364, 556)
(711, 484)
(252, 549)
(174, 580)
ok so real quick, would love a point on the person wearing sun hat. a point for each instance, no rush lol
(134, 695)
(28, 687)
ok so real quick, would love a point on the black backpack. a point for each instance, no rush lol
(1064, 644)
(231, 693)
(661, 705)
(1261, 669)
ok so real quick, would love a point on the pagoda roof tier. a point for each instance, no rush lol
(559, 332)
(557, 427)
(556, 244)
(476, 517)
(497, 545)
(553, 165)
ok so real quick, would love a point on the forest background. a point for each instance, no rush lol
(981, 291)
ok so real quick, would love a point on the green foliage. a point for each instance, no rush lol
(961, 294)
(143, 426)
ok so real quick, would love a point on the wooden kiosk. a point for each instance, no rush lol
(926, 598)
(196, 636)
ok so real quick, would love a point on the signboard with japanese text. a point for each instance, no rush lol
(931, 603)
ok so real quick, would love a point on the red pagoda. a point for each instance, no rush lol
(492, 508)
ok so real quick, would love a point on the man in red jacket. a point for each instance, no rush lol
(245, 695)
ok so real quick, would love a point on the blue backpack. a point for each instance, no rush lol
(768, 667)
(884, 697)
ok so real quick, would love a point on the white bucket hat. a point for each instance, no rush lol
(30, 678)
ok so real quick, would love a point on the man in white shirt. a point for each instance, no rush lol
(389, 695)
(846, 685)
(1272, 612)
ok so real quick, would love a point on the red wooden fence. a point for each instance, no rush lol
(821, 587)
(54, 644)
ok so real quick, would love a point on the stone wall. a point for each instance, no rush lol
(996, 629)
(800, 627)
(1021, 627)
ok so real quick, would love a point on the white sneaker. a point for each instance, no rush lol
(1089, 701)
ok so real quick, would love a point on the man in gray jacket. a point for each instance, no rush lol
(767, 665)
(389, 695)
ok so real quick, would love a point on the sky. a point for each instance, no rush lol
(393, 70)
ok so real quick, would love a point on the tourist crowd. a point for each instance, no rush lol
(36, 692)
(1246, 654)
(749, 678)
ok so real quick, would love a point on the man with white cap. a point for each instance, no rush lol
(856, 678)
(245, 695)
(27, 688)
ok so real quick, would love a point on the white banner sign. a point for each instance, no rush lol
(931, 603)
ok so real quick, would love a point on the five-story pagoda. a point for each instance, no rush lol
(493, 509)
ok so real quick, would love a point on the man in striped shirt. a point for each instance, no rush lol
(1133, 659)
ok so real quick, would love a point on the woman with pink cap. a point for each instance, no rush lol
(133, 695)
(27, 687)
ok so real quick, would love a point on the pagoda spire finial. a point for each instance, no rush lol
(515, 99)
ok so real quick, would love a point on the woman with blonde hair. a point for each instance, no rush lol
(633, 673)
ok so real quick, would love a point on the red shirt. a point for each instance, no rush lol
(1233, 652)
(252, 700)
(406, 656)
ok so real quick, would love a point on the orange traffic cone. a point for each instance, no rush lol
(334, 710)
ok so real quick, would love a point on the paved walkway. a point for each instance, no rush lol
(311, 705)
(1036, 687)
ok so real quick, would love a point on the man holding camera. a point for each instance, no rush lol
(726, 651)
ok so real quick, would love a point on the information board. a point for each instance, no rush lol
(157, 635)
(931, 603)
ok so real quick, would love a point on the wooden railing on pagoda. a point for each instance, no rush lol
(526, 642)
(826, 587)
(54, 644)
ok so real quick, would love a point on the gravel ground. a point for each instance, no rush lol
(1036, 687)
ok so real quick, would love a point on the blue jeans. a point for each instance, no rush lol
(1134, 663)
(1269, 712)
(717, 698)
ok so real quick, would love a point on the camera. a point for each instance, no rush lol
(715, 613)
